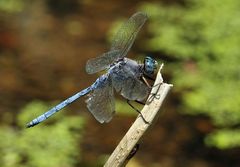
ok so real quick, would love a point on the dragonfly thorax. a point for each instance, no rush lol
(127, 65)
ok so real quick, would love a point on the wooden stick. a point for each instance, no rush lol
(120, 155)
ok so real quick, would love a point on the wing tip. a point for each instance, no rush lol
(140, 13)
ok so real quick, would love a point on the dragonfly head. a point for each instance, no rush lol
(150, 65)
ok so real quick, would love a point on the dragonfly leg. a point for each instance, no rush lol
(133, 151)
(146, 82)
(150, 78)
(128, 101)
(139, 102)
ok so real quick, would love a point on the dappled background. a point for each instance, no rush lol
(44, 46)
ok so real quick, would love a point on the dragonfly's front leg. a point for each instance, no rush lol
(153, 95)
(146, 82)
(148, 85)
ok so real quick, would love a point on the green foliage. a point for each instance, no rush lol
(44, 145)
(11, 6)
(224, 139)
(204, 36)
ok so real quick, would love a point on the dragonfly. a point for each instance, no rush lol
(126, 76)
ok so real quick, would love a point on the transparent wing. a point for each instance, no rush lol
(126, 35)
(129, 86)
(102, 62)
(101, 101)
(122, 42)
(134, 89)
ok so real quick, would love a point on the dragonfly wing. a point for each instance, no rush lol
(122, 42)
(126, 35)
(129, 86)
(101, 102)
(134, 89)
(102, 62)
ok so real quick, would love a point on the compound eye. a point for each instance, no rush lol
(149, 65)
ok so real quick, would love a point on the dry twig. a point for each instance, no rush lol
(123, 151)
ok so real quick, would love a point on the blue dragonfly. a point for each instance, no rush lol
(124, 75)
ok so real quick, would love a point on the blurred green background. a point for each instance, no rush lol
(44, 46)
